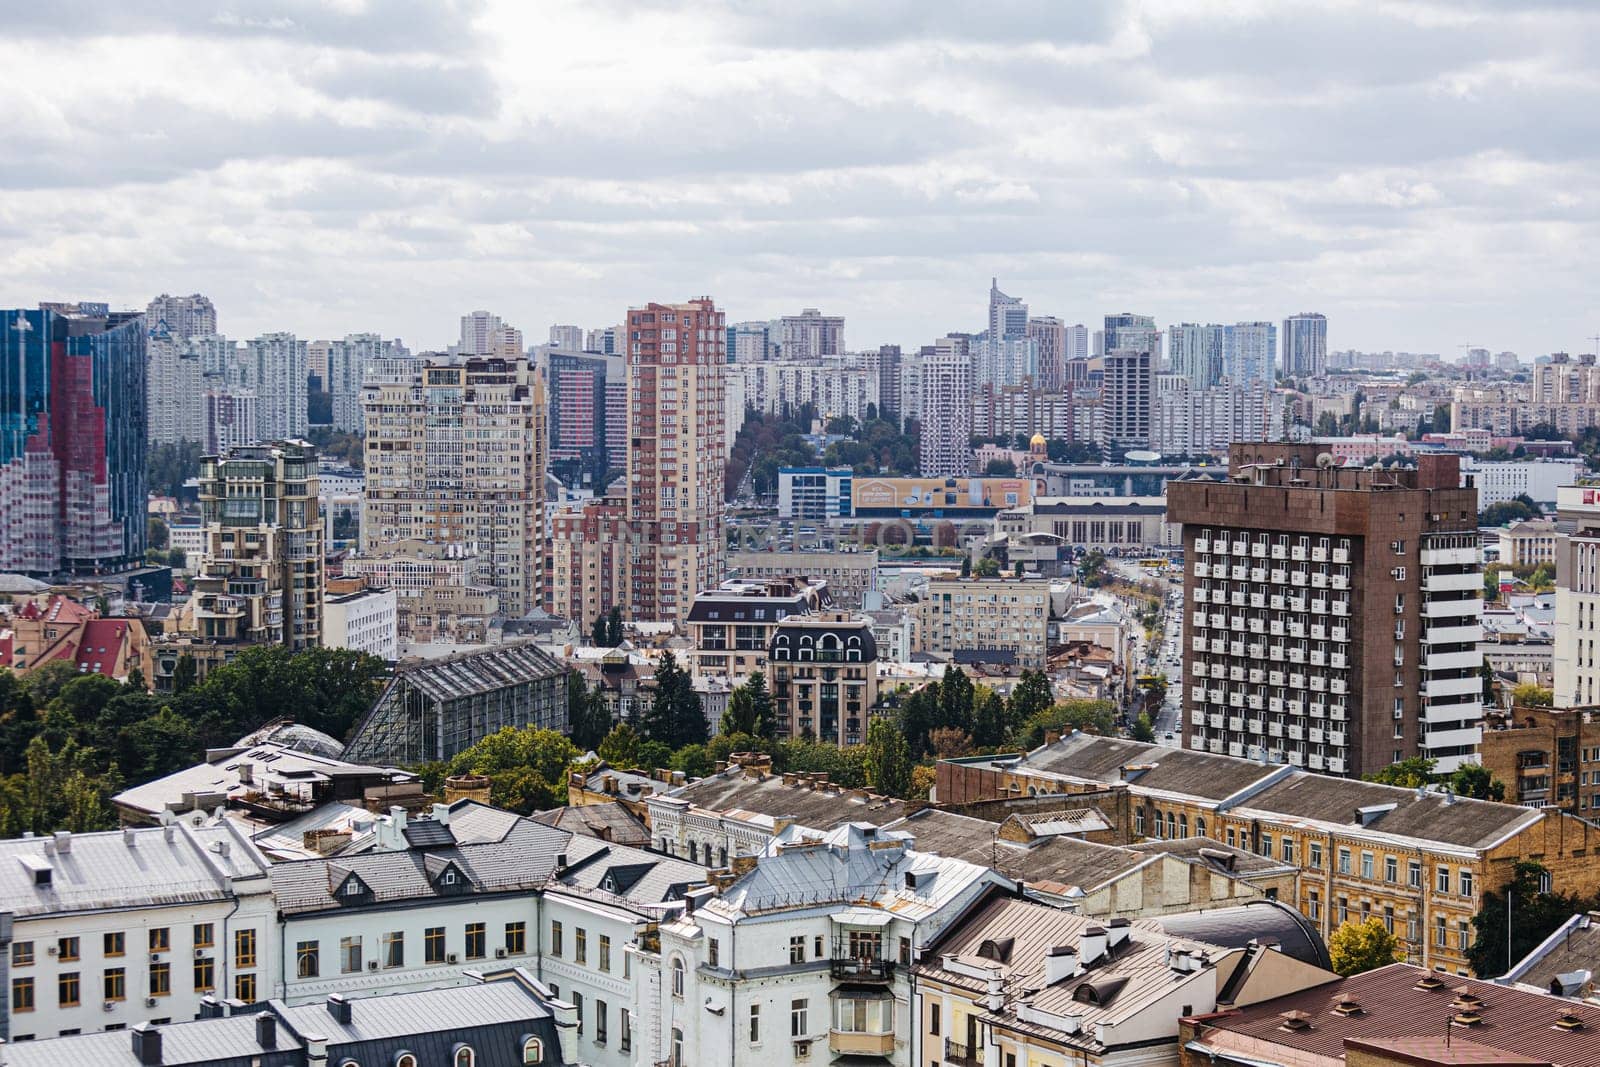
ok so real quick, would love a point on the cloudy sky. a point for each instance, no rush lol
(1423, 173)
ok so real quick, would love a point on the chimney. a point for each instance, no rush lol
(1060, 963)
(129, 838)
(1119, 931)
(316, 1050)
(146, 1044)
(339, 1008)
(63, 842)
(994, 997)
(561, 861)
(210, 1007)
(1051, 737)
(267, 1030)
(1092, 945)
(441, 814)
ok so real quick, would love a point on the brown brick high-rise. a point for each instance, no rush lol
(1332, 614)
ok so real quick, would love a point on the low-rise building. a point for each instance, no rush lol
(441, 593)
(732, 626)
(103, 930)
(824, 670)
(990, 620)
(361, 618)
(849, 574)
(1395, 1016)
(1528, 543)
(1546, 757)
(807, 956)
(56, 628)
(1110, 524)
(1420, 860)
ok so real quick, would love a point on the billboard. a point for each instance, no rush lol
(883, 496)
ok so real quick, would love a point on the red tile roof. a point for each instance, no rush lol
(101, 645)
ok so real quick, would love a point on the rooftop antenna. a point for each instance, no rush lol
(1596, 339)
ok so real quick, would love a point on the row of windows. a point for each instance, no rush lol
(114, 985)
(580, 946)
(158, 939)
(392, 949)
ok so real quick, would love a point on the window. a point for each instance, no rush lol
(464, 1056)
(244, 948)
(1441, 879)
(1199, 826)
(114, 984)
(160, 979)
(905, 952)
(205, 935)
(677, 1048)
(933, 1019)
(605, 953)
(799, 1017)
(308, 959)
(1314, 906)
(797, 950)
(1286, 850)
(516, 938)
(205, 974)
(677, 977)
(713, 952)
(160, 939)
(1414, 874)
(394, 949)
(862, 1016)
(755, 1024)
(1391, 869)
(625, 1042)
(349, 955)
(476, 941)
(1466, 882)
(1388, 918)
(577, 1004)
(21, 953)
(244, 987)
(22, 994)
(532, 1051)
(1366, 865)
(114, 944)
(405, 1059)
(580, 946)
(816, 947)
(1316, 854)
(67, 995)
(66, 949)
(555, 938)
(1266, 845)
(433, 944)
(1413, 926)
(1463, 934)
(1138, 821)
(1344, 910)
(600, 1024)
(1344, 861)
(1438, 930)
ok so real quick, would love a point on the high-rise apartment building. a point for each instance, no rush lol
(946, 406)
(1335, 612)
(578, 427)
(885, 363)
(604, 341)
(810, 335)
(261, 580)
(1008, 315)
(1049, 337)
(566, 338)
(750, 342)
(1250, 353)
(1130, 331)
(478, 333)
(274, 366)
(174, 386)
(1195, 352)
(1577, 645)
(72, 439)
(677, 455)
(1127, 396)
(1076, 343)
(1305, 346)
(179, 318)
(344, 370)
(456, 455)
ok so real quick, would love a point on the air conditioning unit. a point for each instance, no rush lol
(450, 957)
(499, 953)
(802, 1050)
(109, 1005)
(372, 965)
(149, 1002)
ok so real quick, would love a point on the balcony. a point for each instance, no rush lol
(959, 1055)
(1258, 550)
(850, 969)
(850, 1042)
(1341, 555)
(1280, 551)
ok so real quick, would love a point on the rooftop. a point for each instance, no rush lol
(609, 821)
(1398, 1003)
(736, 793)
(1054, 864)
(269, 769)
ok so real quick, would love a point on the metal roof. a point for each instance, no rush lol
(481, 671)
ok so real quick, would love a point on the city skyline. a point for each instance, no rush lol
(390, 168)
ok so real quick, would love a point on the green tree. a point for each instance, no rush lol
(527, 768)
(966, 566)
(1032, 694)
(988, 567)
(1441, 419)
(620, 747)
(1001, 468)
(750, 709)
(1092, 571)
(991, 721)
(614, 627)
(675, 717)
(157, 745)
(588, 715)
(1410, 773)
(155, 532)
(1474, 780)
(1327, 425)
(887, 759)
(184, 673)
(1091, 716)
(1535, 914)
(955, 699)
(692, 760)
(45, 683)
(1143, 729)
(597, 634)
(1532, 695)
(1363, 946)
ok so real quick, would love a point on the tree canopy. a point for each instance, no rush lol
(1363, 946)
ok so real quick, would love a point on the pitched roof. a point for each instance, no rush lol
(629, 877)
(1054, 864)
(609, 821)
(1393, 1008)
(734, 792)
(229, 1040)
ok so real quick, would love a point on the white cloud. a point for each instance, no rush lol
(1416, 170)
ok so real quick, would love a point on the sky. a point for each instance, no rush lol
(1422, 173)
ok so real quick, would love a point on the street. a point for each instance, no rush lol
(1167, 658)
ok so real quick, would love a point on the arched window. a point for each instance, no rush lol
(349, 1063)
(1199, 826)
(694, 852)
(405, 1059)
(464, 1057)
(722, 856)
(532, 1050)
(677, 976)
(1171, 826)
(1183, 826)
(677, 1047)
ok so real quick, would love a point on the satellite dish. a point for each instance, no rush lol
(1324, 459)
(1143, 456)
